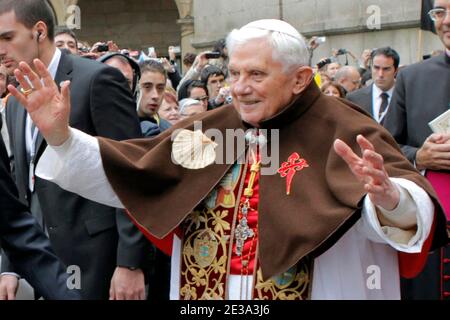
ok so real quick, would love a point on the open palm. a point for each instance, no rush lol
(48, 108)
(369, 169)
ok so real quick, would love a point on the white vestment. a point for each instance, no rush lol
(363, 264)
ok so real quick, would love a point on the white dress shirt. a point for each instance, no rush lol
(4, 129)
(52, 68)
(377, 100)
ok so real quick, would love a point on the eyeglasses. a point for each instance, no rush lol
(202, 98)
(438, 14)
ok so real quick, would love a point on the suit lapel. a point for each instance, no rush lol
(63, 73)
(21, 156)
(370, 99)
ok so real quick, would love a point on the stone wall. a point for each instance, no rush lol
(137, 24)
(344, 22)
(140, 24)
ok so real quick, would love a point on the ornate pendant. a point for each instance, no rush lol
(243, 232)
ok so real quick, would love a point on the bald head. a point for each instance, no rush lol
(349, 78)
(124, 66)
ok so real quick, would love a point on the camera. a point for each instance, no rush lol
(321, 40)
(102, 47)
(83, 50)
(229, 100)
(177, 49)
(341, 52)
(212, 55)
(323, 63)
(151, 52)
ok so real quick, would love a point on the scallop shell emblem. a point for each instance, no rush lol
(193, 149)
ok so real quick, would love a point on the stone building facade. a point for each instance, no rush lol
(196, 24)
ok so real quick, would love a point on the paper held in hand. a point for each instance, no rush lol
(441, 124)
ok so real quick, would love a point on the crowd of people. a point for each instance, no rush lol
(99, 201)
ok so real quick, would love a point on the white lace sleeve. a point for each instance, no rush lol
(76, 166)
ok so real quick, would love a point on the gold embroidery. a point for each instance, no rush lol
(188, 292)
(206, 251)
(291, 285)
(220, 225)
(204, 255)
(195, 218)
(205, 248)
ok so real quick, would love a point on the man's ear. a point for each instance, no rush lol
(41, 30)
(303, 77)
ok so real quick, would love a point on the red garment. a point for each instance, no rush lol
(250, 246)
(412, 264)
(165, 244)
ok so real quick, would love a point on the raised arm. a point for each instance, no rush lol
(73, 160)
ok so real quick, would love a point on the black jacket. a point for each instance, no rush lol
(92, 236)
(422, 93)
(25, 244)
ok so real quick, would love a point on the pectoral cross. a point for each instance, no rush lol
(242, 233)
(289, 168)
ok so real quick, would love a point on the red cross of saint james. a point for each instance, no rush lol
(289, 168)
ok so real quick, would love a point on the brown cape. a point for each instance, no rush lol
(325, 198)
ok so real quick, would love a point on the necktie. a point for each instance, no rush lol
(384, 103)
(34, 132)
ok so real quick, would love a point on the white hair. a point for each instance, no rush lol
(289, 46)
(187, 103)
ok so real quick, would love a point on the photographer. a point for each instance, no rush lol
(200, 62)
(99, 49)
(313, 44)
(222, 61)
(172, 71)
(346, 53)
(214, 79)
(364, 65)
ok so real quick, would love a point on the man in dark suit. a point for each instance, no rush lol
(99, 241)
(25, 244)
(375, 98)
(421, 94)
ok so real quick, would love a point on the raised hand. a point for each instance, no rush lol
(49, 109)
(370, 170)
